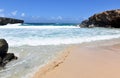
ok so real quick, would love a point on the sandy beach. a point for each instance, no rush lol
(99, 59)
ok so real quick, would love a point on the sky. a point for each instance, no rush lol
(55, 10)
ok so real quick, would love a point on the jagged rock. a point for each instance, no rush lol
(105, 19)
(4, 21)
(4, 56)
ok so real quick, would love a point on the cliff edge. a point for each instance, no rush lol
(4, 21)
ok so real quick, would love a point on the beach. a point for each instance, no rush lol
(59, 39)
(98, 59)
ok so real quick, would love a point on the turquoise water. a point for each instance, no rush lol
(50, 24)
(35, 45)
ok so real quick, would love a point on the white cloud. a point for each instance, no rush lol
(23, 14)
(59, 18)
(14, 13)
(1, 10)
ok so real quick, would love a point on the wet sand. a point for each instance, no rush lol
(100, 59)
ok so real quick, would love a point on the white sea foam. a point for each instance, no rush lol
(18, 35)
(36, 42)
(17, 24)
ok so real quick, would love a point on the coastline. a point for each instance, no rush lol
(97, 59)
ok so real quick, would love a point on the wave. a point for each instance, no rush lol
(58, 41)
(17, 24)
(18, 35)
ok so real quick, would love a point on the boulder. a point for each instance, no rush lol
(0, 60)
(3, 48)
(4, 21)
(106, 19)
(4, 56)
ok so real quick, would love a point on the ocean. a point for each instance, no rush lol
(35, 44)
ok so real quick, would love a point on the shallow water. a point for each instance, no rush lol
(30, 58)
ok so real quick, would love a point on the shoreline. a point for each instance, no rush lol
(51, 65)
(81, 60)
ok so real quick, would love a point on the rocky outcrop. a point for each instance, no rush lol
(4, 56)
(109, 18)
(4, 21)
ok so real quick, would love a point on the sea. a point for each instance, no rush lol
(36, 44)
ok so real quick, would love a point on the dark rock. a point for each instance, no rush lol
(8, 58)
(1, 63)
(3, 48)
(85, 23)
(105, 19)
(4, 56)
(4, 21)
(0, 60)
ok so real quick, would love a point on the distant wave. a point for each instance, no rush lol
(36, 26)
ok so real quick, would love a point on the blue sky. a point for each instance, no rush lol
(55, 10)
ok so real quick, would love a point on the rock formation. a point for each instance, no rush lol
(4, 56)
(109, 18)
(4, 21)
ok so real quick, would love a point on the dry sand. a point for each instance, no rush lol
(100, 59)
